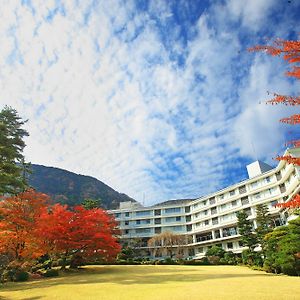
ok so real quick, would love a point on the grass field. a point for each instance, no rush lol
(158, 282)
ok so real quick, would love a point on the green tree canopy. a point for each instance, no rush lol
(13, 168)
(245, 229)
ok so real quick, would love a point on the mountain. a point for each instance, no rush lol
(69, 188)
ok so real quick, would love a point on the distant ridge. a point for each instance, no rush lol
(70, 188)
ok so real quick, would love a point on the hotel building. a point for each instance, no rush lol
(211, 219)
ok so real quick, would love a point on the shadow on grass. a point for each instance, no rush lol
(123, 276)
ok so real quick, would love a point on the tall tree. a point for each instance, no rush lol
(263, 221)
(19, 215)
(12, 163)
(245, 229)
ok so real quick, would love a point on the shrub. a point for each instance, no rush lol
(50, 273)
(21, 276)
(216, 251)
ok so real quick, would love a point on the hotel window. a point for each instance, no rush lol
(187, 209)
(217, 234)
(231, 193)
(234, 203)
(143, 230)
(175, 228)
(157, 221)
(126, 231)
(245, 200)
(282, 188)
(206, 222)
(229, 245)
(248, 211)
(256, 196)
(127, 214)
(126, 223)
(268, 179)
(200, 250)
(157, 230)
(117, 215)
(173, 210)
(213, 210)
(157, 212)
(212, 200)
(215, 221)
(138, 222)
(242, 189)
(254, 184)
(188, 218)
(278, 176)
(143, 213)
(221, 197)
(273, 203)
(178, 219)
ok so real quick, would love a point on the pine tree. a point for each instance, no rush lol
(13, 168)
(245, 229)
(263, 221)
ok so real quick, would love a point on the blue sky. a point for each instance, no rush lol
(158, 99)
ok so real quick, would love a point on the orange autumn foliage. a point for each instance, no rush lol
(294, 203)
(17, 225)
(289, 50)
(88, 232)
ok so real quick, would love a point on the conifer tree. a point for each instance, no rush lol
(13, 168)
(245, 229)
(263, 221)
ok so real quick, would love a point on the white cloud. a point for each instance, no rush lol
(104, 97)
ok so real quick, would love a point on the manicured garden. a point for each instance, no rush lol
(157, 282)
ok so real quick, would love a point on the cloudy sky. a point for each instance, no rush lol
(158, 99)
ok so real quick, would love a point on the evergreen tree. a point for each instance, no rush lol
(13, 168)
(263, 221)
(248, 237)
(91, 203)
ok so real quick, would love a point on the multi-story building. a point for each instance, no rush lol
(211, 219)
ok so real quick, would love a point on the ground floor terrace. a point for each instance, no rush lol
(158, 282)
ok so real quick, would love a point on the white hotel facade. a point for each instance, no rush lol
(211, 220)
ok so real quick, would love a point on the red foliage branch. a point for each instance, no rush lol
(289, 49)
(294, 203)
(292, 120)
(283, 99)
(289, 159)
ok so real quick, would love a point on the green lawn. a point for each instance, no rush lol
(158, 282)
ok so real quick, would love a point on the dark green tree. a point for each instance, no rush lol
(264, 222)
(91, 203)
(248, 237)
(13, 168)
(283, 249)
(215, 251)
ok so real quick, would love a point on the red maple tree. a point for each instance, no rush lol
(81, 232)
(290, 52)
(19, 215)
